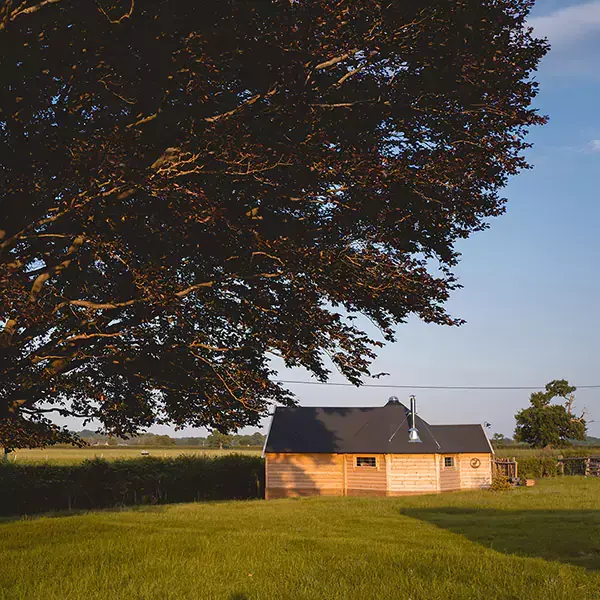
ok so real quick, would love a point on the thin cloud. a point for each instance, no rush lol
(594, 146)
(569, 24)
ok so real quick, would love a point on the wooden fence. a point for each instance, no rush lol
(579, 465)
(506, 466)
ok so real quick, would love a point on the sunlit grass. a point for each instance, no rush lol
(75, 455)
(531, 543)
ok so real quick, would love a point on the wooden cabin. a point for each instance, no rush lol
(383, 451)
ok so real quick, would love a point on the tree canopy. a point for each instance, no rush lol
(191, 188)
(544, 424)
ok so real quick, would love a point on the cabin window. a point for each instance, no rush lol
(366, 461)
(448, 461)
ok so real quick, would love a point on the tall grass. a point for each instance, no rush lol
(67, 456)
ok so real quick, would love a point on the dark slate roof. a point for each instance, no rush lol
(373, 430)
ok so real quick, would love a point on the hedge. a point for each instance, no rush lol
(28, 489)
(536, 467)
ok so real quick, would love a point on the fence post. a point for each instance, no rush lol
(587, 466)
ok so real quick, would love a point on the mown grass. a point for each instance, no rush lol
(534, 543)
(67, 456)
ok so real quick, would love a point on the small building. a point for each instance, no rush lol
(383, 451)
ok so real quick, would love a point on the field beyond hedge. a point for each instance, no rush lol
(535, 543)
(68, 456)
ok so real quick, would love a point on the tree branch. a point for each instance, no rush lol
(144, 120)
(127, 15)
(99, 305)
(248, 102)
(192, 288)
(335, 60)
(41, 279)
(25, 11)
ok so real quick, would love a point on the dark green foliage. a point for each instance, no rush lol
(28, 489)
(219, 440)
(500, 483)
(536, 467)
(546, 425)
(190, 188)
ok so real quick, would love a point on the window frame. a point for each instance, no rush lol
(365, 466)
(452, 464)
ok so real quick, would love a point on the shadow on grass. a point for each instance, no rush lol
(60, 514)
(568, 536)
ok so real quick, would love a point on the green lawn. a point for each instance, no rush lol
(67, 455)
(532, 543)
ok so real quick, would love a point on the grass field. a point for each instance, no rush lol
(531, 543)
(74, 455)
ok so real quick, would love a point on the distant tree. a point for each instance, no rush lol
(189, 188)
(545, 424)
(151, 439)
(499, 440)
(592, 441)
(219, 440)
(165, 440)
(255, 439)
(191, 441)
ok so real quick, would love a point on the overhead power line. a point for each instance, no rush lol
(431, 387)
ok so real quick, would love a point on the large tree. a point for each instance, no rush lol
(190, 188)
(544, 424)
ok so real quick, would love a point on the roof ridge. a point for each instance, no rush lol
(399, 405)
(455, 425)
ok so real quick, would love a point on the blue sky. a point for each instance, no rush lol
(531, 294)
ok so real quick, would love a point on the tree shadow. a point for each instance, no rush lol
(61, 514)
(568, 536)
(302, 451)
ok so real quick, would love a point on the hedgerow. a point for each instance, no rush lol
(92, 484)
(536, 467)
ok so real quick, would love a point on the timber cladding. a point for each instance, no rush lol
(304, 474)
(449, 465)
(296, 474)
(475, 471)
(366, 475)
(413, 473)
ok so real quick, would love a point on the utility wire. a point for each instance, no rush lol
(429, 387)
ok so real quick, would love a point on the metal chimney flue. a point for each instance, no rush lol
(413, 432)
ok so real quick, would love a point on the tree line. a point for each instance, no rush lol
(213, 440)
